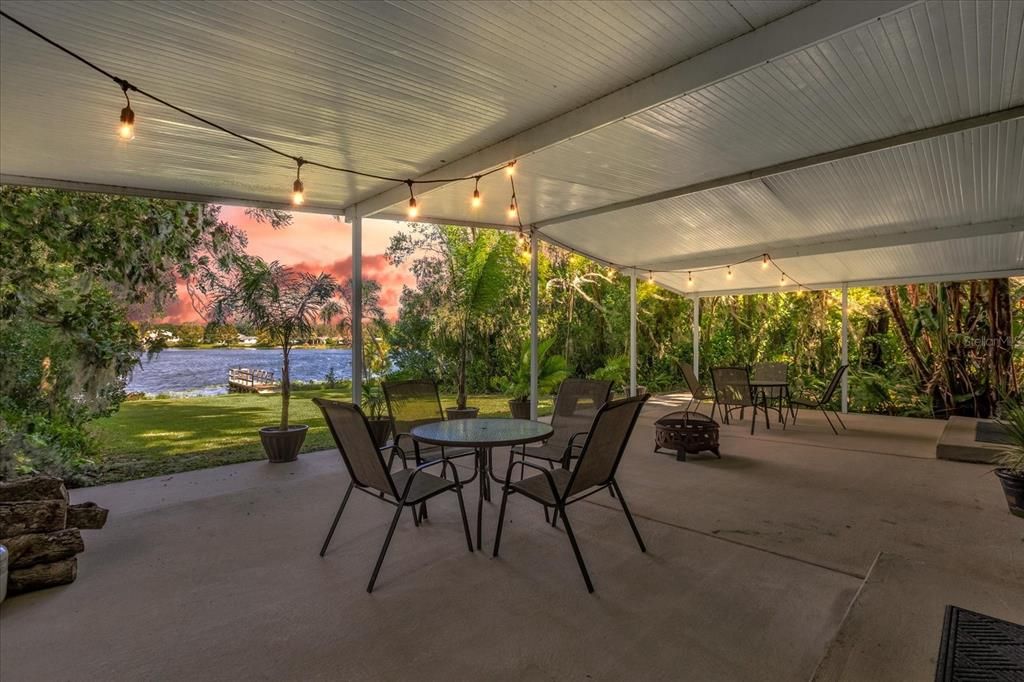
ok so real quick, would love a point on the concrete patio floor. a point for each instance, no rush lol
(798, 554)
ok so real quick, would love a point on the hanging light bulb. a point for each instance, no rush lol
(413, 208)
(127, 129)
(512, 211)
(689, 279)
(476, 193)
(764, 262)
(728, 273)
(782, 280)
(510, 168)
(298, 191)
(650, 276)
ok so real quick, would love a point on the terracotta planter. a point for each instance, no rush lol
(1013, 488)
(283, 446)
(456, 413)
(381, 429)
(520, 409)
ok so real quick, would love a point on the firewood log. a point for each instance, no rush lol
(87, 515)
(33, 488)
(42, 575)
(41, 516)
(43, 548)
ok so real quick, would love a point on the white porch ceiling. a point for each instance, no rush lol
(404, 89)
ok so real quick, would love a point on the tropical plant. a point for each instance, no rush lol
(615, 370)
(278, 301)
(373, 400)
(1012, 419)
(551, 371)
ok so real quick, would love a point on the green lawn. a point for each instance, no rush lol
(169, 435)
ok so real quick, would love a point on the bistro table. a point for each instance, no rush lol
(773, 386)
(483, 435)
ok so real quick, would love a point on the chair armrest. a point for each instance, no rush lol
(547, 475)
(421, 467)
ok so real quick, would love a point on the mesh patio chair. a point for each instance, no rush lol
(823, 403)
(733, 392)
(369, 474)
(697, 393)
(776, 372)
(576, 405)
(411, 403)
(594, 470)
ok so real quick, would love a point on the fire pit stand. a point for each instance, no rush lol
(686, 432)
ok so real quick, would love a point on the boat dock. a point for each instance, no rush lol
(245, 380)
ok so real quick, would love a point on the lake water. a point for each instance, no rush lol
(184, 371)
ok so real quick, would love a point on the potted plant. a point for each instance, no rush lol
(285, 305)
(1011, 469)
(374, 405)
(551, 370)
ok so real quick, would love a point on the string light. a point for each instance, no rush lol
(650, 276)
(513, 206)
(764, 261)
(510, 168)
(127, 129)
(298, 191)
(413, 208)
(476, 193)
(782, 280)
(728, 273)
(689, 279)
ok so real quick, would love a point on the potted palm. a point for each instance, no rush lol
(285, 305)
(374, 404)
(1011, 469)
(551, 370)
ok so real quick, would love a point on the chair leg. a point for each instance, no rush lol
(384, 549)
(465, 521)
(576, 549)
(337, 517)
(629, 517)
(840, 419)
(825, 412)
(415, 517)
(501, 519)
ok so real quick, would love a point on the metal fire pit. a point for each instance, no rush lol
(686, 432)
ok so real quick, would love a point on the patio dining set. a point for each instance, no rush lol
(558, 464)
(764, 386)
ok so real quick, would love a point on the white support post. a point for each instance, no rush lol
(357, 309)
(695, 327)
(844, 356)
(632, 332)
(534, 364)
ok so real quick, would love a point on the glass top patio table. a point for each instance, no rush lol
(483, 435)
(766, 386)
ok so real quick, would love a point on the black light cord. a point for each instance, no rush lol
(126, 86)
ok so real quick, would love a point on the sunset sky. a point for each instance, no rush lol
(317, 243)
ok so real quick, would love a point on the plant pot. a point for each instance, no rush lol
(456, 413)
(380, 427)
(1013, 488)
(283, 446)
(520, 409)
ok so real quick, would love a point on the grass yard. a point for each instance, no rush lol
(168, 435)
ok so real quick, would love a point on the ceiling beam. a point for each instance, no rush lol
(921, 135)
(876, 282)
(122, 190)
(861, 241)
(807, 26)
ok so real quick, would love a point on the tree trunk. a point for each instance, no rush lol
(43, 548)
(42, 575)
(1003, 380)
(286, 383)
(463, 351)
(917, 364)
(39, 516)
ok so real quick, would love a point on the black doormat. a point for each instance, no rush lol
(991, 432)
(979, 647)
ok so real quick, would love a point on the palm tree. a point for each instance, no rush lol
(330, 311)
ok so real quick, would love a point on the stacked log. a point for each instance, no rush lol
(41, 532)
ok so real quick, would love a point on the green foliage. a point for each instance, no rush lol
(551, 371)
(1013, 420)
(615, 370)
(73, 270)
